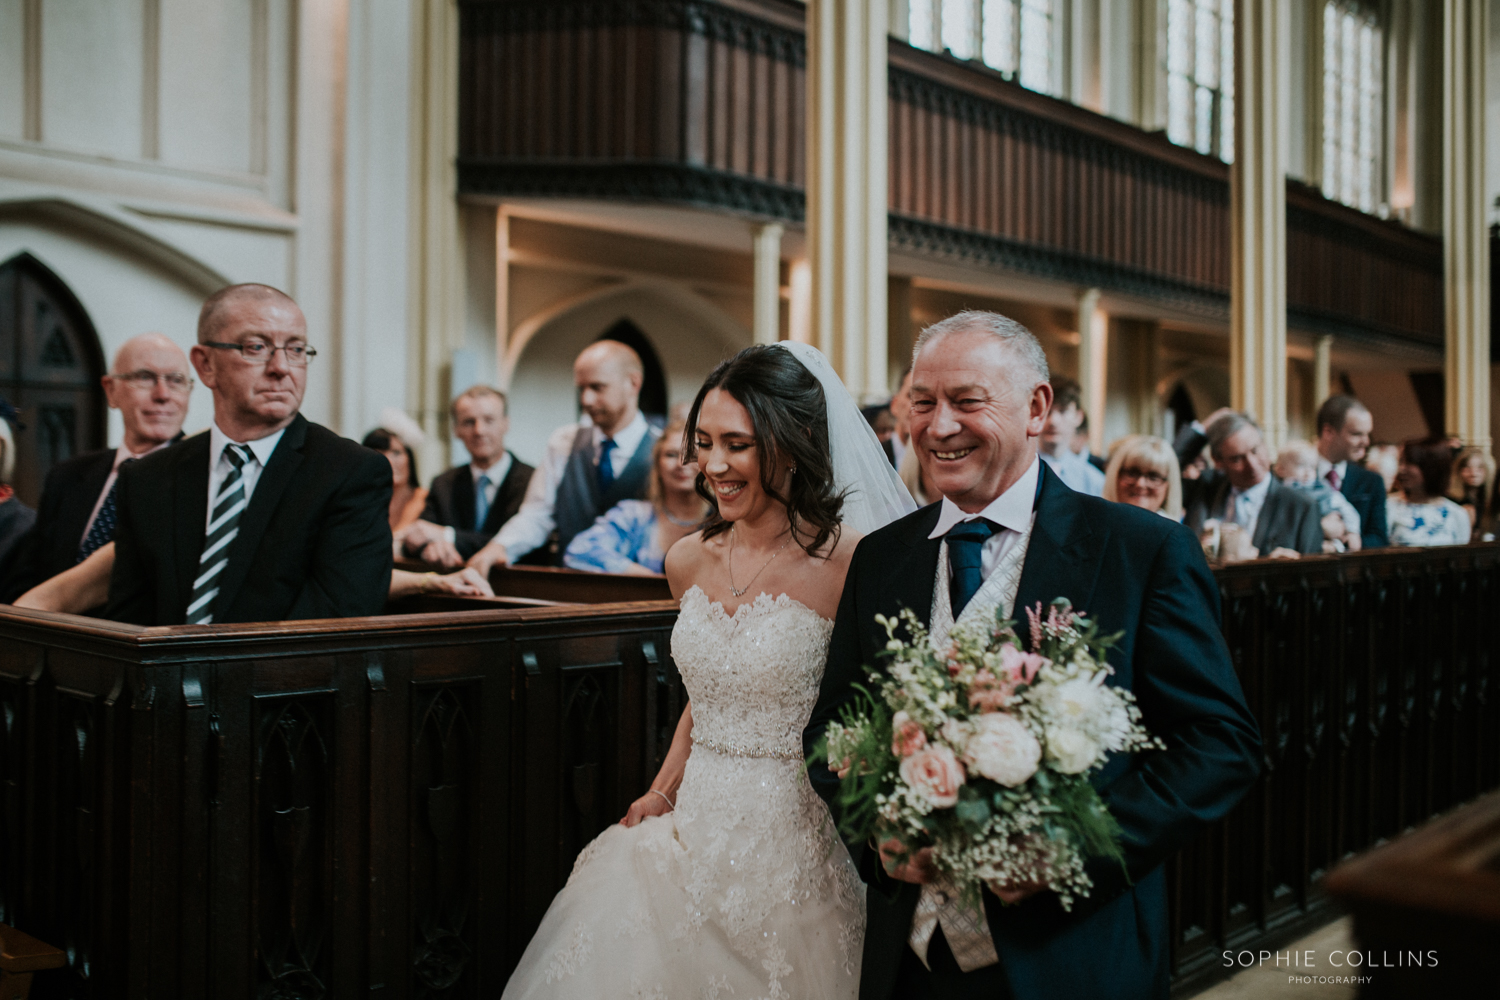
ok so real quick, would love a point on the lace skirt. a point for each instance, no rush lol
(744, 891)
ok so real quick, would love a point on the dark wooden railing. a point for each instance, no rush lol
(330, 808)
(310, 809)
(1376, 681)
(704, 103)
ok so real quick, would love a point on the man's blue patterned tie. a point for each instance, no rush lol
(965, 548)
(102, 531)
(606, 466)
(481, 501)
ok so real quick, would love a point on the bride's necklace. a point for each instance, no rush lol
(740, 591)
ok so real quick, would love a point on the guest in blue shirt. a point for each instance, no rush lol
(1056, 441)
(633, 536)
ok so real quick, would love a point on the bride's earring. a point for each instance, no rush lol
(792, 469)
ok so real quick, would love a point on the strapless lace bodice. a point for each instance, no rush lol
(752, 676)
(744, 890)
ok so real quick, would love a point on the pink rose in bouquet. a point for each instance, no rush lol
(907, 736)
(935, 774)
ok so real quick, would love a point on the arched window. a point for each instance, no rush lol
(1353, 104)
(1015, 37)
(1200, 75)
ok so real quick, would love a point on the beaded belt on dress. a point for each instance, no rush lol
(739, 750)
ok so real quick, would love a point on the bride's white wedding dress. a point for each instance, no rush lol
(745, 890)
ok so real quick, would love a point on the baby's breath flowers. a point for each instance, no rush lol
(982, 750)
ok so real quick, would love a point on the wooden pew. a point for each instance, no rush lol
(22, 957)
(409, 791)
(1427, 907)
(323, 806)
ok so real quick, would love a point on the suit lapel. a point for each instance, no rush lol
(1265, 521)
(463, 497)
(285, 461)
(189, 521)
(913, 570)
(496, 517)
(1062, 558)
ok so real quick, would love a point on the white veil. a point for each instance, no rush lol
(874, 495)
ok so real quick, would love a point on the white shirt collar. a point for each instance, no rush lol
(627, 438)
(261, 448)
(1011, 509)
(1342, 468)
(1256, 493)
(496, 470)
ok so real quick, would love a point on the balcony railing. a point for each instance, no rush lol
(703, 103)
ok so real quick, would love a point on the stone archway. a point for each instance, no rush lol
(50, 366)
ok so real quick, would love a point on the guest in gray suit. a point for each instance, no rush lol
(1279, 520)
(590, 466)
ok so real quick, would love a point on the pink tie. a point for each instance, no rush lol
(1333, 478)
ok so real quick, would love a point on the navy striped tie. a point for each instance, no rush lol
(102, 531)
(222, 529)
(965, 556)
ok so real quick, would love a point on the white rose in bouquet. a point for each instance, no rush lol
(1070, 751)
(1003, 749)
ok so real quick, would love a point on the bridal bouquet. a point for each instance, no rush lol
(983, 751)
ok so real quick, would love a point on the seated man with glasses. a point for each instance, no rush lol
(149, 384)
(266, 516)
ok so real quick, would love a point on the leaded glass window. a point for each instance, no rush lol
(1200, 75)
(1352, 104)
(1015, 37)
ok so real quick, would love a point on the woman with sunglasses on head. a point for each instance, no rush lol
(1143, 472)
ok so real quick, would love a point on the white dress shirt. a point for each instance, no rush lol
(1340, 468)
(496, 474)
(219, 465)
(529, 529)
(121, 454)
(1076, 471)
(1011, 510)
(1244, 505)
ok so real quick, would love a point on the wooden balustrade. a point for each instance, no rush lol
(1376, 681)
(327, 808)
(704, 103)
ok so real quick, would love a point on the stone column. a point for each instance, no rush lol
(435, 309)
(767, 292)
(846, 187)
(1093, 364)
(1257, 196)
(1141, 345)
(1466, 264)
(1322, 370)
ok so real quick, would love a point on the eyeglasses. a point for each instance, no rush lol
(145, 380)
(258, 352)
(1144, 475)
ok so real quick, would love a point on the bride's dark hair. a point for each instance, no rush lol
(789, 417)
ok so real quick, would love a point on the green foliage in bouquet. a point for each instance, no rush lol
(983, 750)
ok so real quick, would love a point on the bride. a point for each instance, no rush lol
(727, 878)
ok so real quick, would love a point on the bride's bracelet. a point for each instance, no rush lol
(669, 802)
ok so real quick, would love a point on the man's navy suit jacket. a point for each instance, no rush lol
(1365, 491)
(1134, 572)
(314, 540)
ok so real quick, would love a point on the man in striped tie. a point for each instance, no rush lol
(266, 516)
(149, 383)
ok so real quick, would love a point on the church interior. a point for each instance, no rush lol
(1193, 204)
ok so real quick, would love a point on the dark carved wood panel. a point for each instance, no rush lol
(314, 809)
(704, 103)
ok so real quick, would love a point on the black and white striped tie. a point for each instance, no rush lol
(222, 528)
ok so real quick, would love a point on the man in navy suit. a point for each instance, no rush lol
(980, 397)
(1344, 427)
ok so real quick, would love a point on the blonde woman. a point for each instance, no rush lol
(1143, 472)
(1473, 489)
